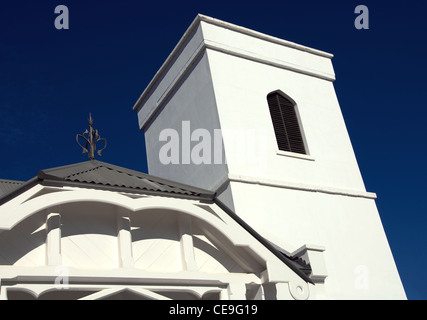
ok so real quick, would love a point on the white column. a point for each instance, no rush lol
(124, 240)
(53, 240)
(186, 243)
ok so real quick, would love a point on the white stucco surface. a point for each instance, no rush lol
(291, 199)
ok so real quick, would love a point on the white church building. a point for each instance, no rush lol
(253, 191)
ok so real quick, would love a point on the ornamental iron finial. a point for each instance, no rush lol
(91, 138)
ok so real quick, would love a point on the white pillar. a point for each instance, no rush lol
(124, 240)
(53, 240)
(186, 243)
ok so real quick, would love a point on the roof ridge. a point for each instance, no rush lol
(83, 171)
(127, 171)
(139, 175)
(136, 174)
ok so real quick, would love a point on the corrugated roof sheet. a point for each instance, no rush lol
(101, 173)
(7, 186)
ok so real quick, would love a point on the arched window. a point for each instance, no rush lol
(285, 123)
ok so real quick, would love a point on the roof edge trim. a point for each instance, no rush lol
(263, 36)
(24, 187)
(199, 18)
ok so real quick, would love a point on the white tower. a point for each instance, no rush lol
(256, 119)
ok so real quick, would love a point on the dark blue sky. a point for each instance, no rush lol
(51, 79)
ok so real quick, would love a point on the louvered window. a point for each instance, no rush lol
(285, 123)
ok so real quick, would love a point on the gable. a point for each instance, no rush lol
(154, 243)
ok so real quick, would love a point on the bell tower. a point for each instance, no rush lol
(256, 119)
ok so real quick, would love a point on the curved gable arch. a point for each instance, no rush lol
(102, 232)
(98, 211)
(58, 199)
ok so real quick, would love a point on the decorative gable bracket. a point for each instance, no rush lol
(313, 257)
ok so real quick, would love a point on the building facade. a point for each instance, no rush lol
(93, 230)
(244, 84)
(253, 192)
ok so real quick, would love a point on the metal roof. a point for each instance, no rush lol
(100, 173)
(7, 186)
(97, 173)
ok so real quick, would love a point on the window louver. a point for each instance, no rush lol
(285, 123)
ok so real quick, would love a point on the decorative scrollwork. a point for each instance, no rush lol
(91, 138)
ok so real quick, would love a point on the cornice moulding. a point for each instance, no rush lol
(301, 186)
(209, 44)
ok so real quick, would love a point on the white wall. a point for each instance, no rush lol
(292, 200)
(358, 260)
(241, 88)
(194, 101)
